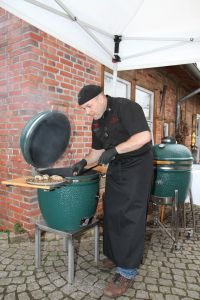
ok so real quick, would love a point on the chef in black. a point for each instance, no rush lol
(120, 138)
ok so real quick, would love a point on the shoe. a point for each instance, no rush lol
(118, 286)
(107, 264)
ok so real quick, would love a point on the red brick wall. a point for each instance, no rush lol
(154, 80)
(37, 72)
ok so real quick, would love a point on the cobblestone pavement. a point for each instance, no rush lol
(165, 274)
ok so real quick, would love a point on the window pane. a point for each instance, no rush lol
(122, 86)
(144, 99)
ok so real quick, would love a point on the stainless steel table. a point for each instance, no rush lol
(68, 243)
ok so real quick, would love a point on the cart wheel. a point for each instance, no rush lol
(189, 234)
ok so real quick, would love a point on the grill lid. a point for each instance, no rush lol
(169, 150)
(44, 138)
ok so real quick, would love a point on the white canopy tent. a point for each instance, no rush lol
(136, 34)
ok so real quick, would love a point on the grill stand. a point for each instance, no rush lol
(178, 211)
(68, 243)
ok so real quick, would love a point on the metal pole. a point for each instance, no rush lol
(189, 95)
(70, 260)
(37, 246)
(96, 254)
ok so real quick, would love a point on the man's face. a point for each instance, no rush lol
(94, 107)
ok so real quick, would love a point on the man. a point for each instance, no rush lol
(120, 138)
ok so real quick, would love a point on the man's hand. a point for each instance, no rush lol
(78, 167)
(107, 156)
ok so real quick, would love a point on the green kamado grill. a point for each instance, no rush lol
(73, 204)
(172, 169)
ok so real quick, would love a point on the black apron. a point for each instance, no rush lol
(128, 184)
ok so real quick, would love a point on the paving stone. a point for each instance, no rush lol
(59, 282)
(84, 287)
(91, 279)
(193, 287)
(139, 286)
(165, 282)
(23, 296)
(27, 273)
(177, 272)
(37, 294)
(33, 286)
(141, 294)
(55, 295)
(48, 288)
(69, 288)
(6, 261)
(152, 288)
(166, 276)
(5, 281)
(10, 296)
(96, 293)
(191, 273)
(11, 288)
(191, 279)
(180, 285)
(40, 274)
(179, 278)
(21, 288)
(193, 294)
(179, 292)
(30, 279)
(100, 284)
(8, 268)
(18, 280)
(156, 296)
(78, 295)
(54, 276)
(139, 278)
(164, 289)
(172, 297)
(130, 293)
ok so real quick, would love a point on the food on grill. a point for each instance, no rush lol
(56, 177)
(45, 179)
(38, 177)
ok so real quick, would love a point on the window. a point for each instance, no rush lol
(123, 87)
(146, 98)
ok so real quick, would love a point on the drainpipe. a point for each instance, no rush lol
(194, 71)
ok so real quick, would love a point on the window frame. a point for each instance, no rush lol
(125, 82)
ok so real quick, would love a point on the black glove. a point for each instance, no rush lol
(107, 156)
(78, 167)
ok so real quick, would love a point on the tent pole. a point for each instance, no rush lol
(75, 19)
(115, 67)
(115, 60)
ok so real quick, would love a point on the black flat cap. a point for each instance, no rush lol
(88, 92)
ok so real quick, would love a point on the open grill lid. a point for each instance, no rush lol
(44, 138)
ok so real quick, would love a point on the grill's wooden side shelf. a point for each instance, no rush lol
(21, 181)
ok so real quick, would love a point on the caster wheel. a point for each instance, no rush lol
(177, 247)
(189, 234)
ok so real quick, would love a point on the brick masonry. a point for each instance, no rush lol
(39, 72)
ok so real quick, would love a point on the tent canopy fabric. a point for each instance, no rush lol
(150, 33)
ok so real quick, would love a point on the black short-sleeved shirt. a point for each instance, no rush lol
(122, 119)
